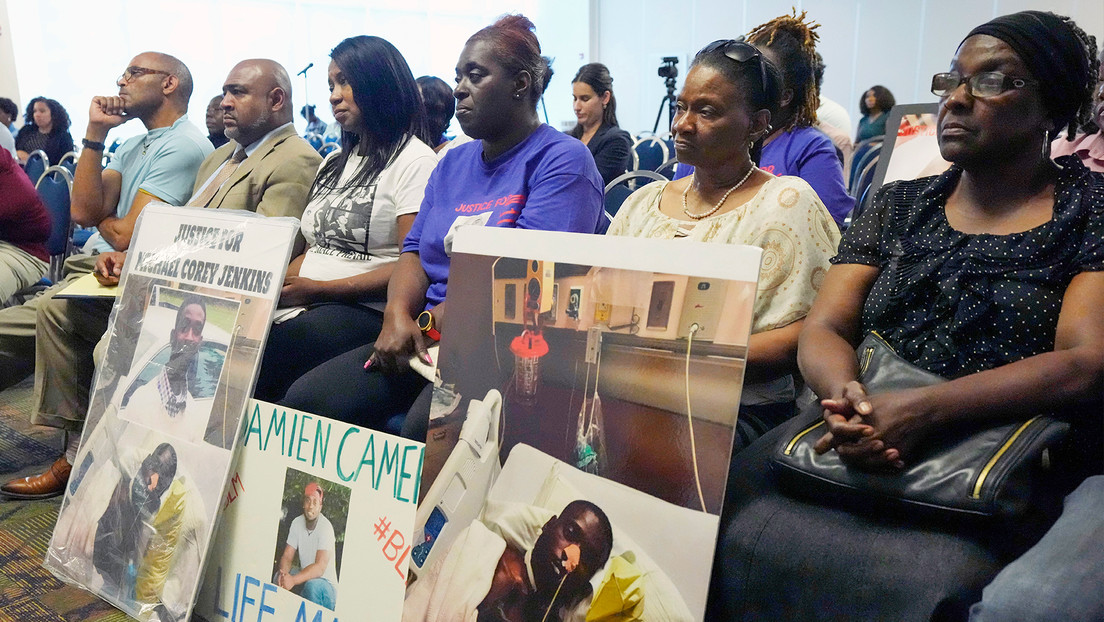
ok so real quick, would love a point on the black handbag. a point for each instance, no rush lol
(998, 471)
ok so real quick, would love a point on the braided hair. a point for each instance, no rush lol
(1091, 126)
(1083, 117)
(794, 41)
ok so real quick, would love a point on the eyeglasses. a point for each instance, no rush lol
(740, 51)
(131, 73)
(985, 84)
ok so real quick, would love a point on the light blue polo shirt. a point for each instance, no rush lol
(162, 162)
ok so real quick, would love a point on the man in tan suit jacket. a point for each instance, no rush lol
(277, 174)
(266, 168)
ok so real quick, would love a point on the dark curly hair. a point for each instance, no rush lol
(883, 99)
(58, 116)
(794, 41)
(9, 107)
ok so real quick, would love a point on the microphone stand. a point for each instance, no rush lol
(306, 89)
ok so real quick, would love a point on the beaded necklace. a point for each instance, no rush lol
(686, 209)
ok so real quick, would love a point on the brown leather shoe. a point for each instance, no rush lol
(43, 486)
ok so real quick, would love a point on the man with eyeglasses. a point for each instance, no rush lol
(265, 168)
(158, 165)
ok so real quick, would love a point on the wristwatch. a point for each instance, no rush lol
(425, 322)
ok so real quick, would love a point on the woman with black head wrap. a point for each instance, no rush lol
(990, 275)
(1060, 578)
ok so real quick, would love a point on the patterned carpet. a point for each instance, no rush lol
(28, 592)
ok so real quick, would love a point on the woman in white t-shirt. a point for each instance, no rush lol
(360, 208)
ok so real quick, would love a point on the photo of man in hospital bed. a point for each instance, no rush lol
(524, 578)
(544, 548)
(135, 524)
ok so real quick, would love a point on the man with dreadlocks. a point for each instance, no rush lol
(795, 146)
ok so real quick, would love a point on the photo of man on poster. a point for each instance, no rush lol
(142, 544)
(164, 402)
(311, 539)
(484, 575)
(178, 362)
(121, 529)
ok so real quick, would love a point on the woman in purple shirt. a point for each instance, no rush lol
(519, 173)
(796, 147)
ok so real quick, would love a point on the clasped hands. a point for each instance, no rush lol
(873, 431)
(284, 579)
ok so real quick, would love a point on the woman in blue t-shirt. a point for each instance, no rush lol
(518, 173)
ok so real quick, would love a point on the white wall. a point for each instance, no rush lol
(896, 43)
(71, 51)
(9, 87)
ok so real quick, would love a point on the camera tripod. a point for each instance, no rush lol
(669, 101)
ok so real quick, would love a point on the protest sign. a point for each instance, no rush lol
(313, 497)
(194, 306)
(583, 416)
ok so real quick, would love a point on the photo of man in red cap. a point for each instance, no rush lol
(310, 538)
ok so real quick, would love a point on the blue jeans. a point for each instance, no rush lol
(319, 591)
(1059, 578)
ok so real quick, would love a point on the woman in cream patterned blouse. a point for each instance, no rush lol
(723, 115)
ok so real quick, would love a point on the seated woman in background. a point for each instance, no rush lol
(45, 127)
(989, 275)
(440, 105)
(361, 206)
(596, 111)
(796, 147)
(314, 124)
(1088, 145)
(723, 116)
(874, 106)
(551, 182)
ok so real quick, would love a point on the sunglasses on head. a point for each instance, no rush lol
(740, 51)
